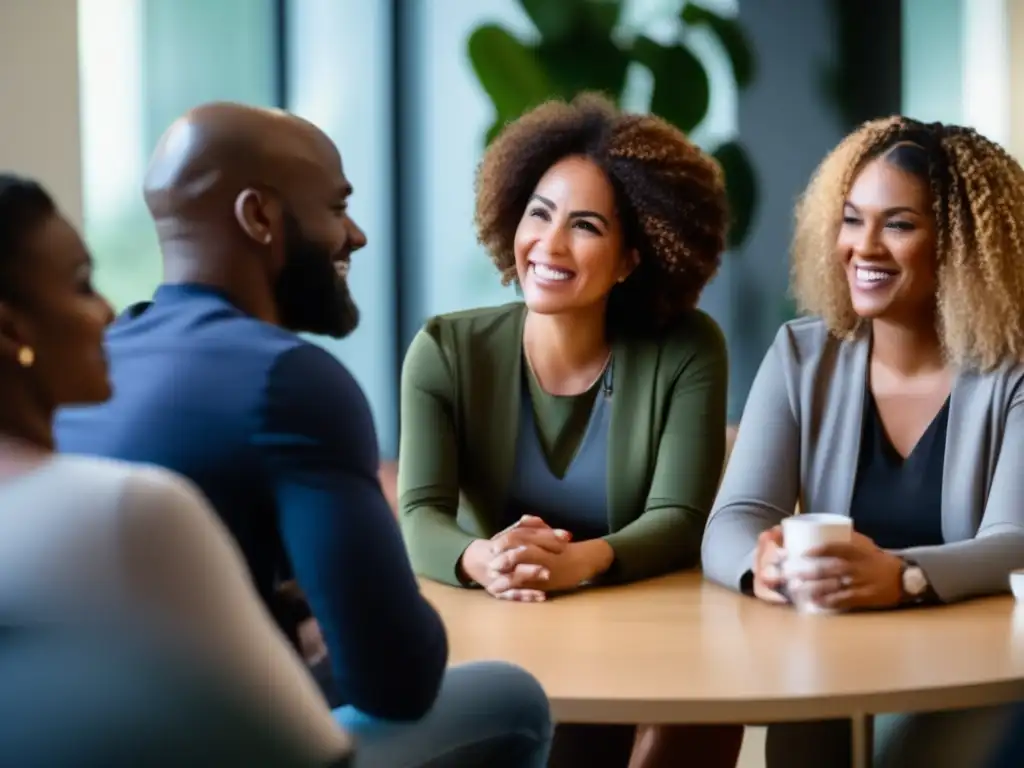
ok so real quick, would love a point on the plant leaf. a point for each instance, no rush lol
(557, 20)
(554, 20)
(734, 40)
(647, 52)
(493, 131)
(602, 16)
(741, 188)
(585, 63)
(681, 88)
(508, 70)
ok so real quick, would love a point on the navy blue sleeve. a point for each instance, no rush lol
(387, 645)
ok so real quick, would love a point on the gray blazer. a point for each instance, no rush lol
(799, 440)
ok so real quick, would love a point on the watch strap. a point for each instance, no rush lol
(926, 595)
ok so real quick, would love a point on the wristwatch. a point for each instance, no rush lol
(914, 584)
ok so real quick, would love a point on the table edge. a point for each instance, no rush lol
(790, 709)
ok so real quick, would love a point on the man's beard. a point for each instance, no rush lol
(311, 296)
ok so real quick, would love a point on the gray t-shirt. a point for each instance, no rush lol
(94, 540)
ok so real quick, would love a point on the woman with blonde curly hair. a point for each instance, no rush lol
(576, 437)
(899, 404)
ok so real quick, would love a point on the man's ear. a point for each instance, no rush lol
(14, 335)
(257, 214)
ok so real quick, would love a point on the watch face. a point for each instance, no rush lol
(914, 582)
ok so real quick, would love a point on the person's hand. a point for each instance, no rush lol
(851, 575)
(311, 642)
(567, 568)
(520, 564)
(768, 579)
(529, 529)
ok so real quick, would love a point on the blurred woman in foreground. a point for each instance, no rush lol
(88, 541)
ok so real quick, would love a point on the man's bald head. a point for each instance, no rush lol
(216, 151)
(255, 202)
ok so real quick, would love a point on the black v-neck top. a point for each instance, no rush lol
(897, 502)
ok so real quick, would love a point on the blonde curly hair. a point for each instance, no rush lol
(670, 197)
(978, 202)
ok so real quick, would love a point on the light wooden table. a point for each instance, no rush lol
(680, 650)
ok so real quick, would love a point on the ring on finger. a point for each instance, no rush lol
(845, 581)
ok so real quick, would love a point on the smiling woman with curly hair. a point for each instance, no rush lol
(669, 198)
(899, 404)
(977, 204)
(576, 437)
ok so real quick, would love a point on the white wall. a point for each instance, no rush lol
(1015, 22)
(957, 63)
(986, 68)
(39, 99)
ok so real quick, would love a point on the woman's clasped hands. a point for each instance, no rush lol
(529, 559)
(840, 576)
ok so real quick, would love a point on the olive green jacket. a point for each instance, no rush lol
(461, 395)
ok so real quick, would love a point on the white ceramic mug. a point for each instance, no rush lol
(1017, 584)
(803, 533)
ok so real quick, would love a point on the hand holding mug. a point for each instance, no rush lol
(768, 559)
(851, 575)
(806, 537)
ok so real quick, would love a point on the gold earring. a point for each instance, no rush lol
(622, 279)
(26, 357)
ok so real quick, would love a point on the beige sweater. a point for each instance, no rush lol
(98, 540)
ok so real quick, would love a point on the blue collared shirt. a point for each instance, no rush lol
(279, 437)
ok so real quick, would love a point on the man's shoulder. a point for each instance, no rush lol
(198, 330)
(307, 385)
(314, 407)
(310, 368)
(201, 385)
(223, 359)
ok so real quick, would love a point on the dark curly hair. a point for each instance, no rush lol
(670, 198)
(977, 193)
(24, 207)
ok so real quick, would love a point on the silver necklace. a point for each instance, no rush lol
(597, 378)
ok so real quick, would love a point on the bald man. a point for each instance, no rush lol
(211, 380)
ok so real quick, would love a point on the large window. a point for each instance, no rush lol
(143, 63)
(338, 59)
(389, 81)
(448, 116)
